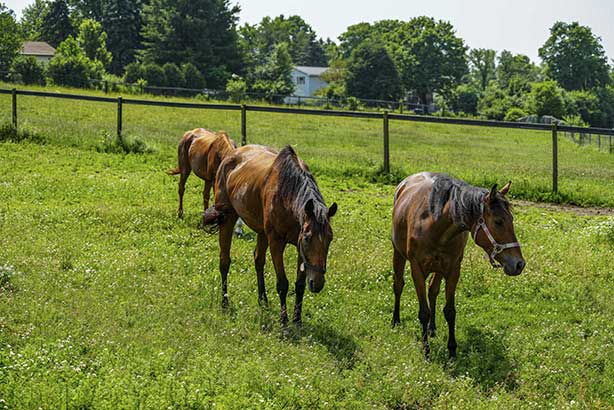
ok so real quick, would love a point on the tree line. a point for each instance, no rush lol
(198, 44)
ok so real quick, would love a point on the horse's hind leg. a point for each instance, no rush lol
(424, 313)
(433, 292)
(449, 311)
(259, 260)
(182, 180)
(225, 239)
(398, 264)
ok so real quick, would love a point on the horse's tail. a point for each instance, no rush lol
(183, 151)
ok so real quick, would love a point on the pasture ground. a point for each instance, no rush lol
(108, 301)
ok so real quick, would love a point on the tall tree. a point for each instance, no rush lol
(122, 21)
(372, 74)
(303, 45)
(32, 19)
(427, 53)
(274, 77)
(575, 57)
(201, 32)
(57, 25)
(10, 42)
(515, 68)
(482, 66)
(93, 40)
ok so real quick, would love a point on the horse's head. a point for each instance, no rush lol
(313, 242)
(494, 232)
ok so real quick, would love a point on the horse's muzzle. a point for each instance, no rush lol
(316, 286)
(514, 267)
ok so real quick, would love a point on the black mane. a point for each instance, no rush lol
(465, 200)
(297, 186)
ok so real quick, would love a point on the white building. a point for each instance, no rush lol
(40, 50)
(307, 80)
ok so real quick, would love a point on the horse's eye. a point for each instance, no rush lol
(499, 222)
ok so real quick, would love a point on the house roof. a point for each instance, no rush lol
(311, 71)
(37, 48)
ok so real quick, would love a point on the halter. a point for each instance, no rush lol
(497, 247)
(305, 264)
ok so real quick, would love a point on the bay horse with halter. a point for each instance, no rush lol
(433, 216)
(201, 151)
(276, 196)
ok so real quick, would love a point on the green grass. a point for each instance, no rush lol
(108, 301)
(346, 146)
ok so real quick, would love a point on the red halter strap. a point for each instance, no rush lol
(497, 248)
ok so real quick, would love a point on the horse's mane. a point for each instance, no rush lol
(223, 143)
(297, 186)
(465, 200)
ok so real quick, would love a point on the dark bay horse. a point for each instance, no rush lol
(277, 196)
(201, 151)
(432, 217)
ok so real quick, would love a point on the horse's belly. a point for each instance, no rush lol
(246, 202)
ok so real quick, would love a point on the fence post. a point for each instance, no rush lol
(555, 159)
(386, 144)
(14, 104)
(243, 124)
(401, 106)
(119, 116)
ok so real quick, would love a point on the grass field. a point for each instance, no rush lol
(108, 301)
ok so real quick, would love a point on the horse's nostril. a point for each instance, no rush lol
(311, 284)
(520, 266)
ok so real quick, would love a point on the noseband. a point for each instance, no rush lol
(497, 248)
(306, 265)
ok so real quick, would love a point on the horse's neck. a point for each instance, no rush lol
(449, 228)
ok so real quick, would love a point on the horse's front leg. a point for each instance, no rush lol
(225, 240)
(424, 313)
(433, 292)
(259, 261)
(277, 247)
(299, 287)
(449, 310)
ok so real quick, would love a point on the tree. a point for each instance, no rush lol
(94, 41)
(32, 19)
(70, 66)
(57, 25)
(173, 75)
(275, 77)
(515, 70)
(482, 65)
(574, 57)
(428, 55)
(371, 73)
(201, 32)
(10, 42)
(193, 78)
(259, 41)
(547, 98)
(465, 99)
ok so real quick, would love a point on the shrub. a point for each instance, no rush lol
(10, 133)
(575, 120)
(546, 98)
(465, 99)
(28, 70)
(514, 114)
(71, 67)
(133, 72)
(193, 77)
(123, 145)
(236, 88)
(173, 75)
(154, 75)
(353, 104)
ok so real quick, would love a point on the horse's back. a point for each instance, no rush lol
(411, 204)
(241, 180)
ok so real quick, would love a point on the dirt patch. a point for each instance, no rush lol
(578, 210)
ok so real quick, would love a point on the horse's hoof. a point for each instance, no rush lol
(452, 354)
(263, 301)
(225, 303)
(431, 332)
(395, 322)
(285, 332)
(180, 214)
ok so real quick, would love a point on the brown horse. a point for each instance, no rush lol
(432, 217)
(201, 151)
(276, 195)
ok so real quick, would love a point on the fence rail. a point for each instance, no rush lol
(385, 117)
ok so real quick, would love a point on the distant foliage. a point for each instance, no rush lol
(32, 19)
(371, 73)
(514, 114)
(10, 42)
(547, 98)
(154, 75)
(482, 66)
(71, 67)
(236, 88)
(134, 72)
(28, 70)
(465, 99)
(192, 76)
(173, 75)
(57, 25)
(275, 77)
(93, 40)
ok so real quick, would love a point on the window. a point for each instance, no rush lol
(300, 80)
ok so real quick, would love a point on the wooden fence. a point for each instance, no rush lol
(385, 117)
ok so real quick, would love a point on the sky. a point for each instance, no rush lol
(520, 26)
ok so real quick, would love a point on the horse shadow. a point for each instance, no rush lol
(342, 347)
(482, 357)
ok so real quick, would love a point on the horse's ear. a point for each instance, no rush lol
(309, 208)
(506, 188)
(492, 195)
(332, 210)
